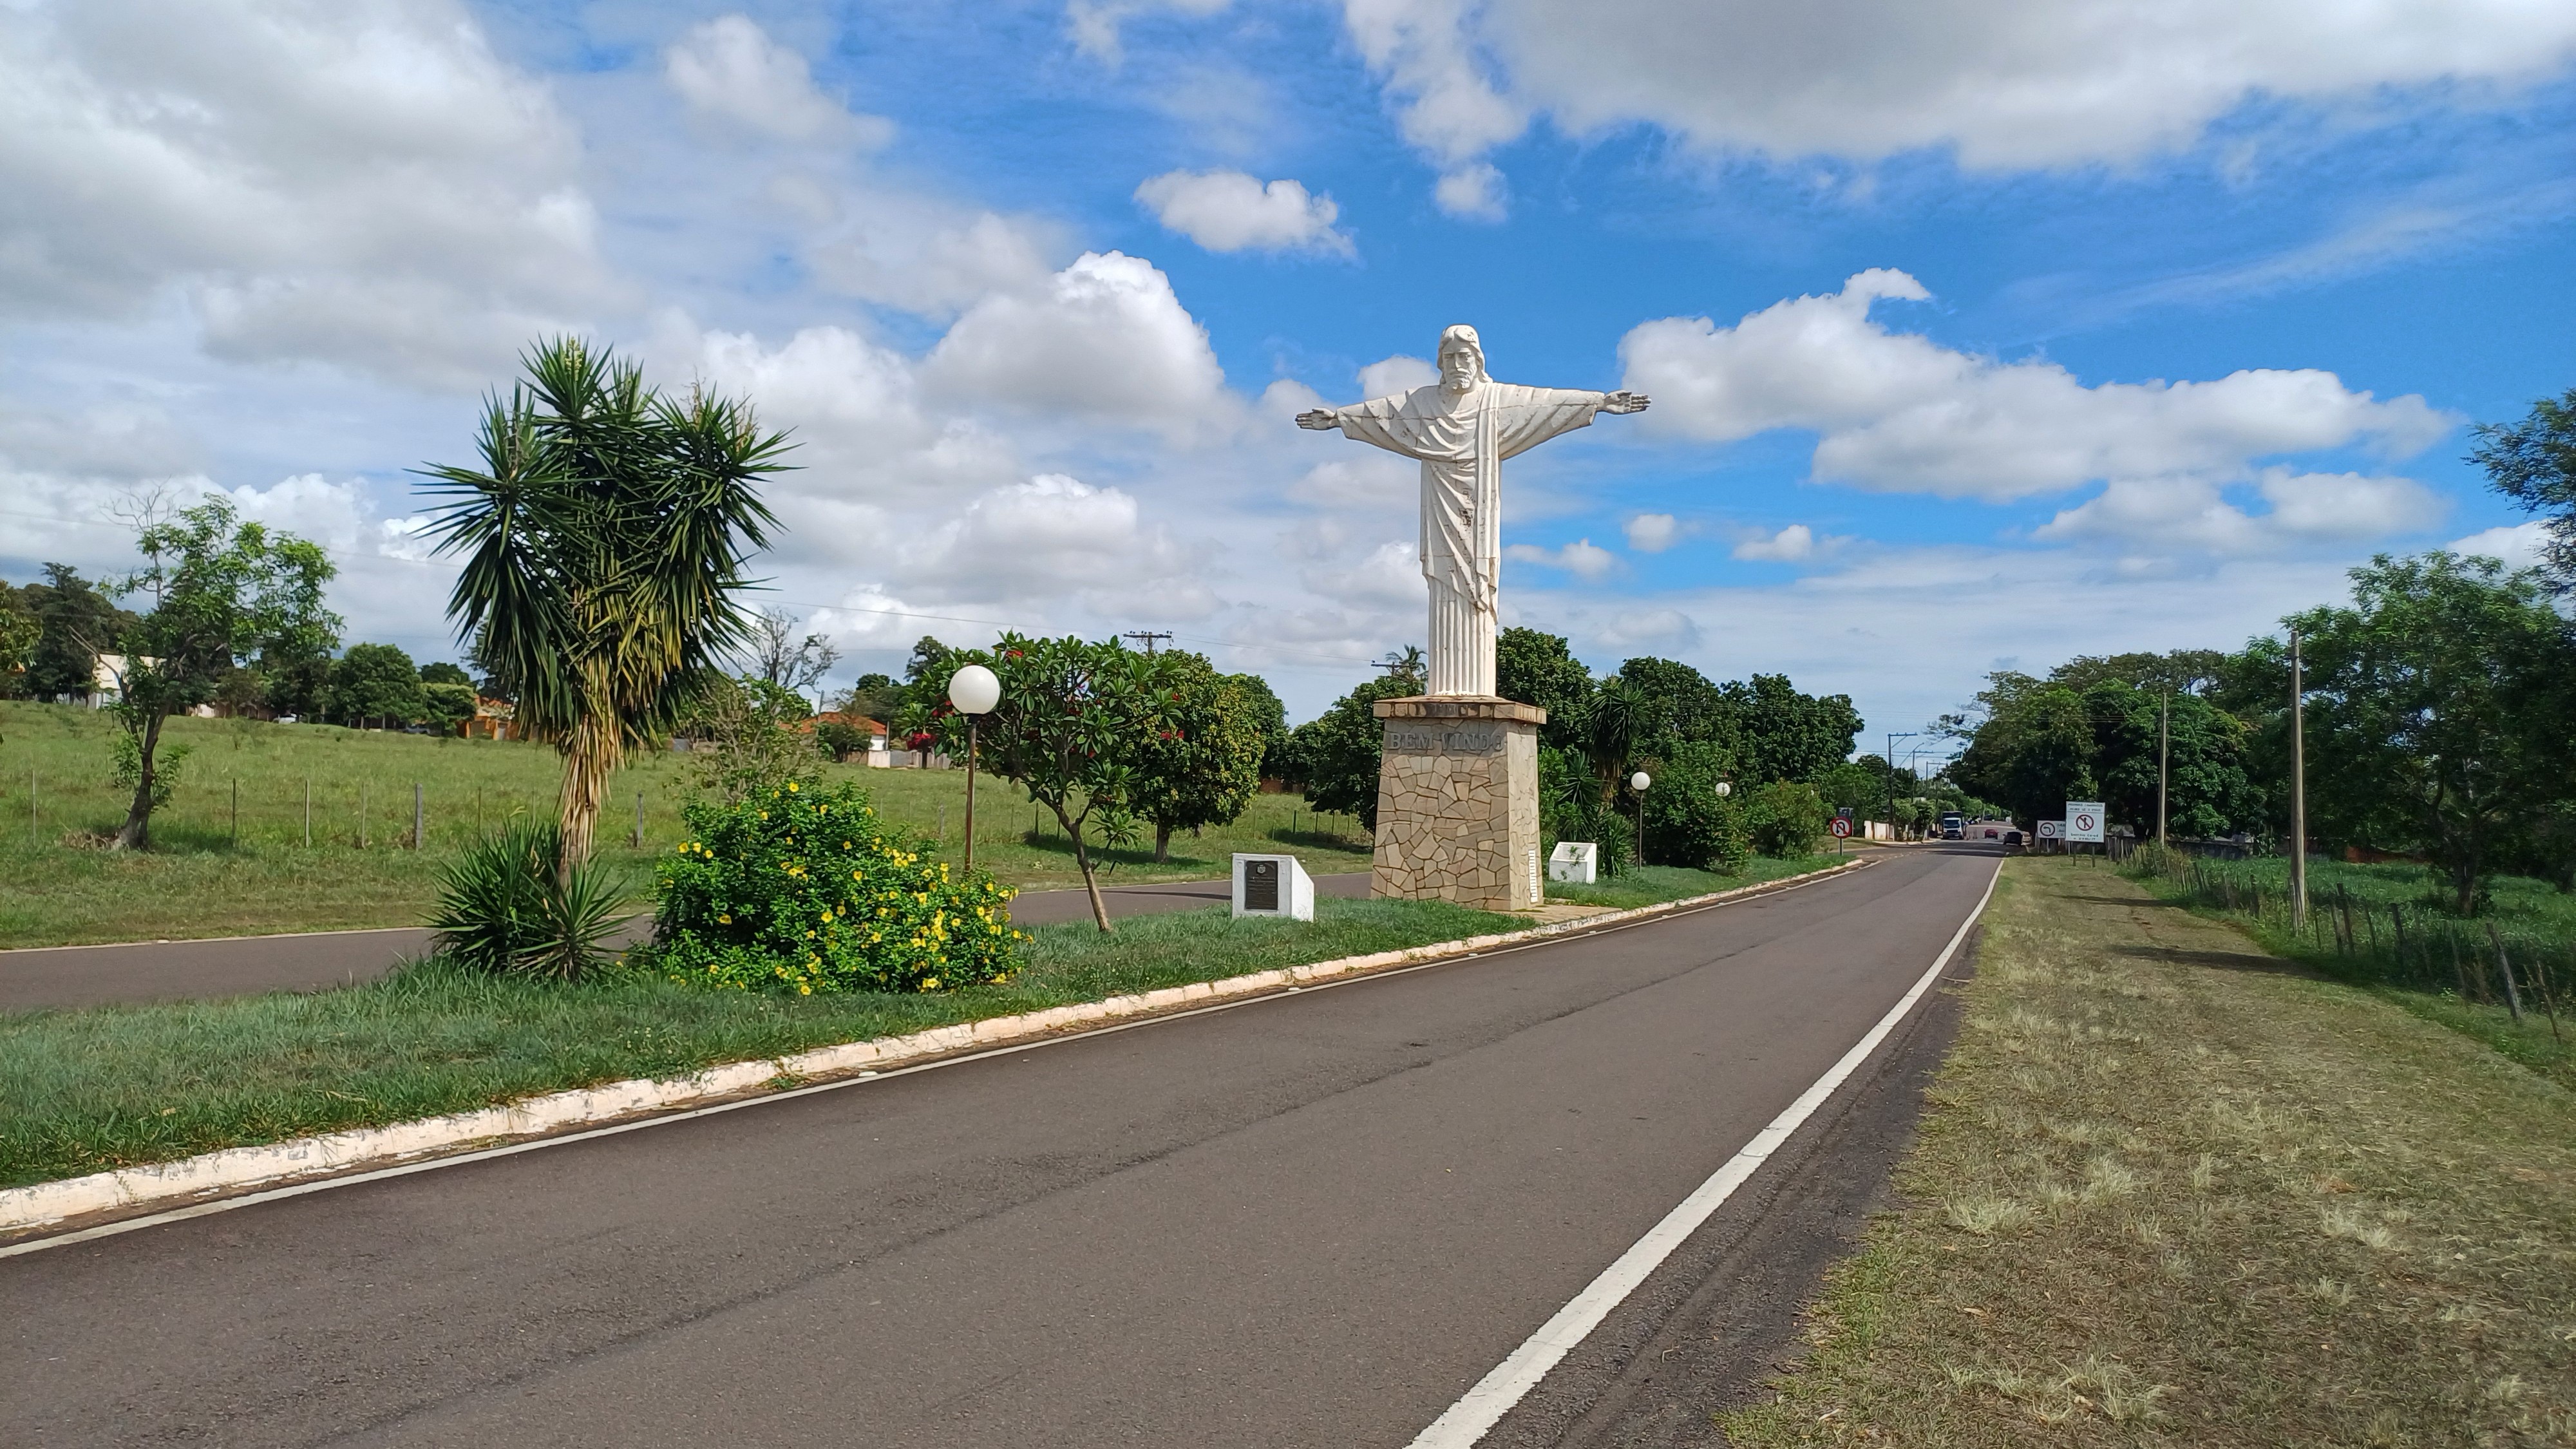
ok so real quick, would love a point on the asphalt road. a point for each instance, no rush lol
(1311, 1220)
(67, 976)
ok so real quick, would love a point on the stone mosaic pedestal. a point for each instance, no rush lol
(1457, 802)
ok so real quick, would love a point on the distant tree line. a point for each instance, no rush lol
(2437, 708)
(1784, 755)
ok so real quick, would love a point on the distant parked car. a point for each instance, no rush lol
(2012, 837)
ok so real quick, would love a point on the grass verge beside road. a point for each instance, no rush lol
(2173, 1190)
(108, 1087)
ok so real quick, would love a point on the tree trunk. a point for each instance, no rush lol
(1082, 857)
(1162, 843)
(136, 833)
(590, 757)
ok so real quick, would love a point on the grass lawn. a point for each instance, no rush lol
(83, 1091)
(203, 879)
(2436, 966)
(2173, 1190)
(1646, 885)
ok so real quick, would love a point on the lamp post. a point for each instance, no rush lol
(974, 691)
(1638, 782)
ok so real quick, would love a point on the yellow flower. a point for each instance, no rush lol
(723, 921)
(791, 787)
(764, 814)
(854, 875)
(805, 989)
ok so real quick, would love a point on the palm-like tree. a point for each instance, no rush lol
(604, 539)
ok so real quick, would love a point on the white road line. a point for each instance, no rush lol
(665, 1119)
(1483, 1406)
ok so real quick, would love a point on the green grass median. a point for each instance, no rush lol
(230, 857)
(1648, 885)
(107, 1087)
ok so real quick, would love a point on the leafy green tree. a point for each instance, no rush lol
(1785, 818)
(1861, 784)
(1786, 735)
(376, 682)
(442, 672)
(1273, 719)
(20, 629)
(1687, 822)
(2533, 462)
(2034, 750)
(1539, 668)
(2436, 719)
(2208, 791)
(1682, 705)
(604, 533)
(219, 589)
(874, 696)
(1338, 752)
(1204, 763)
(748, 739)
(2183, 671)
(76, 623)
(1072, 718)
(445, 703)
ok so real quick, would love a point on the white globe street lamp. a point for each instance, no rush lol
(1724, 789)
(974, 691)
(1638, 782)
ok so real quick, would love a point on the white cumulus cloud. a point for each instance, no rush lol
(1652, 532)
(363, 184)
(2003, 83)
(1582, 558)
(2515, 545)
(1898, 412)
(1788, 545)
(729, 68)
(1232, 211)
(1104, 338)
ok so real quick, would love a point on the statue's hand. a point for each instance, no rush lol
(1624, 401)
(1321, 420)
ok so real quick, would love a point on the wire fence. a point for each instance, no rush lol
(2372, 935)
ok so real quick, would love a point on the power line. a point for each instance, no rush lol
(1148, 635)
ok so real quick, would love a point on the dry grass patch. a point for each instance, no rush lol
(2158, 1201)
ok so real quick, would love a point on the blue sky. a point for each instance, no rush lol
(1981, 334)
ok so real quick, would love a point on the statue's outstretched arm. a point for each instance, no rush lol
(1624, 401)
(1321, 420)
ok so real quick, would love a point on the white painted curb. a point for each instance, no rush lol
(197, 1178)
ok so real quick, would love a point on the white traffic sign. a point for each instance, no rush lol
(2084, 820)
(2049, 829)
(1841, 826)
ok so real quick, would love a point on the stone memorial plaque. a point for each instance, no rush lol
(1261, 885)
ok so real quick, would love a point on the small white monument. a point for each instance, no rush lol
(1457, 811)
(1575, 861)
(1273, 885)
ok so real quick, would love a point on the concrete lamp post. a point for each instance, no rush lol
(974, 691)
(1638, 782)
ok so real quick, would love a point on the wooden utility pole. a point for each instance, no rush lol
(2298, 791)
(1148, 635)
(2164, 736)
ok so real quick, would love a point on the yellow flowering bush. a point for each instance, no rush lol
(803, 889)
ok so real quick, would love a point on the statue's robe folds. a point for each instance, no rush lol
(1461, 440)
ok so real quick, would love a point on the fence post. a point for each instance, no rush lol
(639, 820)
(2504, 966)
(236, 812)
(32, 833)
(308, 812)
(416, 815)
(362, 815)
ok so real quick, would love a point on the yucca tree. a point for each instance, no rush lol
(604, 538)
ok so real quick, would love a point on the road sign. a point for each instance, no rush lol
(2084, 820)
(1841, 826)
(2051, 829)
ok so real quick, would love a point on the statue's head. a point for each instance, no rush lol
(1462, 359)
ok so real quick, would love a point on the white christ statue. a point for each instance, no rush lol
(1461, 428)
